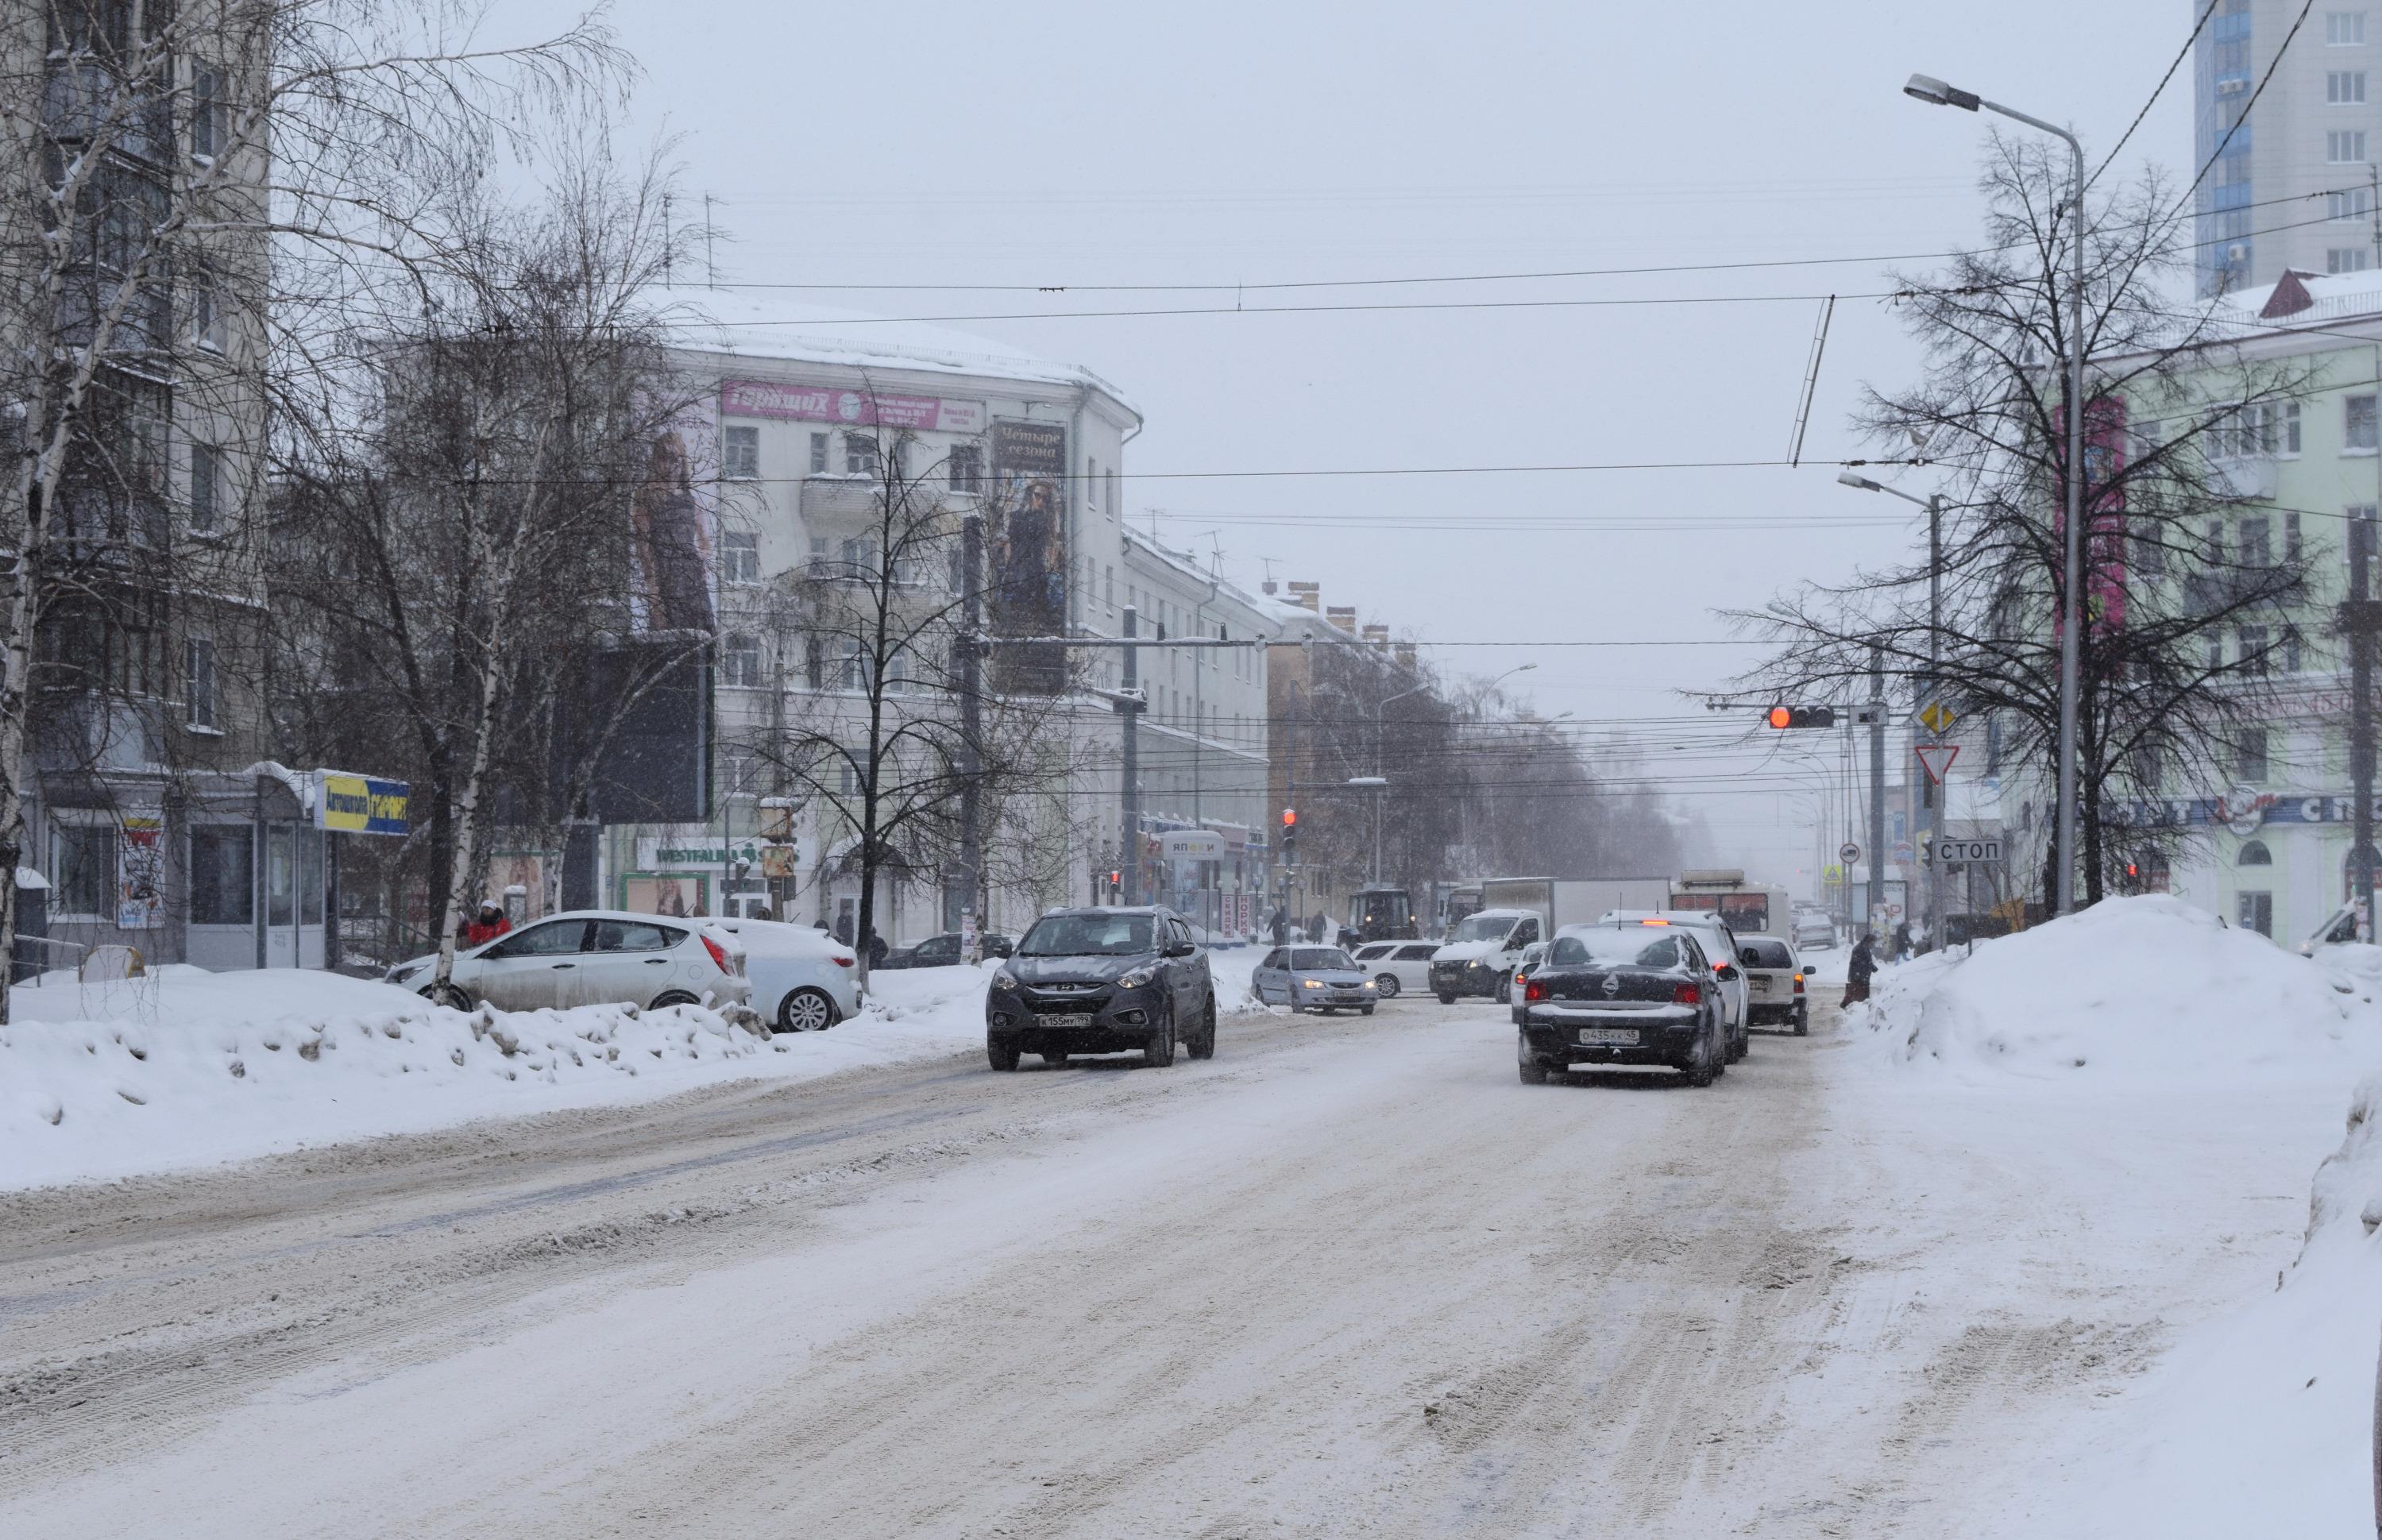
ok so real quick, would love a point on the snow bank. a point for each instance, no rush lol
(184, 1067)
(2140, 989)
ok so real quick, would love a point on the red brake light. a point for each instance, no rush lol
(717, 955)
(1535, 989)
(1687, 995)
(1798, 983)
(1653, 922)
(842, 961)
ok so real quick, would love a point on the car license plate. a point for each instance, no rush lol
(1621, 1037)
(1077, 1021)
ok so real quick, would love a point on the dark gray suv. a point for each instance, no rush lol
(1103, 981)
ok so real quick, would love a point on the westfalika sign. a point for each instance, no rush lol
(359, 804)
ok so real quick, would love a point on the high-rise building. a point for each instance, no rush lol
(2289, 181)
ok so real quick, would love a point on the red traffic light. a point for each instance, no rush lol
(1781, 717)
(1289, 817)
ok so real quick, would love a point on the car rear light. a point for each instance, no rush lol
(1798, 983)
(1687, 995)
(717, 955)
(841, 962)
(1535, 989)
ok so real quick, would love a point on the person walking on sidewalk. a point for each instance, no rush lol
(1860, 970)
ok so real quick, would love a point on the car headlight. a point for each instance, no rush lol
(1311, 984)
(1371, 988)
(1003, 979)
(1135, 979)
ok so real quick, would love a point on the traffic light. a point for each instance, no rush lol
(1784, 717)
(1116, 884)
(1289, 832)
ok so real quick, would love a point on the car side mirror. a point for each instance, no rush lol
(1180, 948)
(1728, 972)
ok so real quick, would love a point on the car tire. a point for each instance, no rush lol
(1505, 987)
(1803, 1023)
(805, 1010)
(1158, 1052)
(1702, 1070)
(1204, 1044)
(1447, 997)
(451, 997)
(1388, 985)
(1364, 1011)
(1532, 1074)
(1002, 1053)
(668, 999)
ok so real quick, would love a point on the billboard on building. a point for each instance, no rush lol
(865, 409)
(1027, 553)
(359, 804)
(670, 588)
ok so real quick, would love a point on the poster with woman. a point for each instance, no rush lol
(673, 584)
(1028, 553)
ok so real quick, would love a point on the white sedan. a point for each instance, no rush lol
(803, 980)
(1397, 966)
(593, 957)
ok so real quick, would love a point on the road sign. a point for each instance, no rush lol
(1938, 717)
(1938, 758)
(1955, 851)
(1850, 852)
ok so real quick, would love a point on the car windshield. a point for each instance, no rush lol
(1086, 935)
(1483, 927)
(1622, 948)
(1320, 957)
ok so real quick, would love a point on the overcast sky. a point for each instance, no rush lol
(1228, 143)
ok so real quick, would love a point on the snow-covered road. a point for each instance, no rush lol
(1348, 1279)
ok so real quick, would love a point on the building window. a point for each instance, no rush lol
(2344, 29)
(1116, 494)
(742, 771)
(740, 454)
(2258, 543)
(859, 455)
(223, 875)
(818, 454)
(2149, 768)
(1092, 482)
(815, 661)
(2291, 539)
(2350, 203)
(83, 865)
(1107, 587)
(2347, 259)
(897, 673)
(198, 679)
(2345, 147)
(2250, 755)
(847, 780)
(2293, 657)
(967, 467)
(739, 558)
(2150, 548)
(2255, 911)
(206, 314)
(2344, 88)
(740, 661)
(2213, 653)
(210, 114)
(206, 487)
(2357, 427)
(855, 670)
(2253, 652)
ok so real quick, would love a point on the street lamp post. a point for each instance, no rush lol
(1934, 504)
(1380, 785)
(1936, 93)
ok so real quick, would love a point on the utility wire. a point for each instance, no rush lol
(2173, 64)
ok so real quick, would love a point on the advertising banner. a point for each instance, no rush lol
(2104, 529)
(1028, 553)
(798, 403)
(359, 804)
(670, 589)
(140, 869)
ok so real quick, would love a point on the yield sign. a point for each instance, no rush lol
(1939, 719)
(1937, 758)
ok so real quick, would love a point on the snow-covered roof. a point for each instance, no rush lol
(771, 324)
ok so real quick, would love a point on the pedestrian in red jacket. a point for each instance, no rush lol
(485, 927)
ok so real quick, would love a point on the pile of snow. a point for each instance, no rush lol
(184, 1067)
(2139, 988)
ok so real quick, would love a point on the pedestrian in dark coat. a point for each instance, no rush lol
(1281, 926)
(1860, 970)
(876, 949)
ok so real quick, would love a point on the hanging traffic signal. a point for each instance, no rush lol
(1784, 717)
(1116, 883)
(1289, 832)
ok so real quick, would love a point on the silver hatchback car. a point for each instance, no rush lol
(594, 957)
(1321, 979)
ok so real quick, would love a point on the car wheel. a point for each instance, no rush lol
(1532, 1074)
(1702, 1070)
(1159, 1051)
(1505, 987)
(1364, 1011)
(1002, 1052)
(1204, 1044)
(805, 1010)
(670, 997)
(1803, 1023)
(451, 997)
(1388, 985)
(1447, 997)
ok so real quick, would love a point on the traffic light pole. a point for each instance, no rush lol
(1877, 784)
(970, 875)
(2358, 621)
(1129, 839)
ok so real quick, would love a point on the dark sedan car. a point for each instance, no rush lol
(1622, 995)
(1103, 981)
(943, 951)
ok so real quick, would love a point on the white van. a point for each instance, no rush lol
(1482, 952)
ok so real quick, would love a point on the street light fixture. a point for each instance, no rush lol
(1926, 88)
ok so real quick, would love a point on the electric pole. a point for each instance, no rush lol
(970, 877)
(2357, 619)
(1877, 784)
(1129, 706)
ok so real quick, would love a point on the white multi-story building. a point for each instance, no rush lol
(785, 452)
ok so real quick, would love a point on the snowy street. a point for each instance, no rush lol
(1348, 1279)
